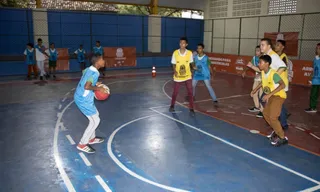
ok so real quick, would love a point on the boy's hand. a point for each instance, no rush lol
(310, 82)
(243, 74)
(266, 98)
(102, 89)
(253, 92)
(175, 73)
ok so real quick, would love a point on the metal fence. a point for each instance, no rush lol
(241, 35)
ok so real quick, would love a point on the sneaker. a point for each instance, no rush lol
(288, 115)
(171, 109)
(253, 110)
(278, 141)
(96, 140)
(192, 112)
(41, 78)
(85, 148)
(272, 135)
(259, 115)
(309, 110)
(54, 77)
(47, 77)
(216, 101)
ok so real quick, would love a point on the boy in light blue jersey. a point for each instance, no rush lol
(29, 55)
(98, 50)
(202, 72)
(84, 99)
(81, 55)
(254, 65)
(315, 83)
(53, 57)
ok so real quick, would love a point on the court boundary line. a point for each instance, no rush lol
(127, 170)
(240, 148)
(311, 189)
(232, 123)
(57, 158)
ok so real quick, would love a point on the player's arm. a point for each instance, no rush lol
(282, 66)
(88, 86)
(25, 54)
(173, 62)
(192, 64)
(256, 89)
(277, 79)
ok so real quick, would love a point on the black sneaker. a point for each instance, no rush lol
(253, 110)
(278, 141)
(47, 76)
(271, 135)
(85, 148)
(192, 112)
(41, 78)
(288, 115)
(54, 77)
(216, 101)
(171, 109)
(309, 110)
(259, 115)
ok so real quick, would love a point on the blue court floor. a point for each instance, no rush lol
(147, 149)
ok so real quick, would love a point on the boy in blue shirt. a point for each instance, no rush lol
(84, 99)
(202, 72)
(315, 82)
(53, 57)
(29, 56)
(81, 55)
(98, 50)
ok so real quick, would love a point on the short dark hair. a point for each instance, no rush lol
(269, 42)
(39, 39)
(30, 44)
(95, 59)
(97, 41)
(184, 39)
(283, 42)
(51, 43)
(318, 45)
(201, 45)
(258, 46)
(266, 58)
(81, 45)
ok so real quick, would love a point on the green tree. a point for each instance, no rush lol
(146, 10)
(14, 3)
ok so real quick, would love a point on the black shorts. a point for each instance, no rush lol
(52, 63)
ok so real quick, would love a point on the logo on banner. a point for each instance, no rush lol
(240, 61)
(307, 71)
(280, 36)
(119, 52)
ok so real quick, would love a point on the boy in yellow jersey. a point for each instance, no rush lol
(279, 48)
(273, 87)
(277, 64)
(181, 60)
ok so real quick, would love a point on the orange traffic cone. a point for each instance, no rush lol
(153, 71)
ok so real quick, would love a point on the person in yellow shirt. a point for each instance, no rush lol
(181, 60)
(274, 89)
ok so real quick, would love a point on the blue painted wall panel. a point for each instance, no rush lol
(74, 17)
(109, 30)
(109, 19)
(75, 28)
(13, 15)
(131, 42)
(106, 41)
(13, 68)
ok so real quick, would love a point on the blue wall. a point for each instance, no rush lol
(172, 29)
(69, 29)
(16, 30)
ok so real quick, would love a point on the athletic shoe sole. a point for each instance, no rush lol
(81, 149)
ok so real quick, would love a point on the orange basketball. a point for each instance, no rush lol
(102, 95)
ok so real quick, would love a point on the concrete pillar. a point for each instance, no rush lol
(154, 33)
(40, 26)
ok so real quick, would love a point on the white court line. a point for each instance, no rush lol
(315, 136)
(64, 99)
(85, 159)
(247, 114)
(311, 189)
(70, 139)
(222, 98)
(60, 106)
(56, 155)
(301, 129)
(103, 184)
(230, 112)
(123, 167)
(67, 94)
(241, 149)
